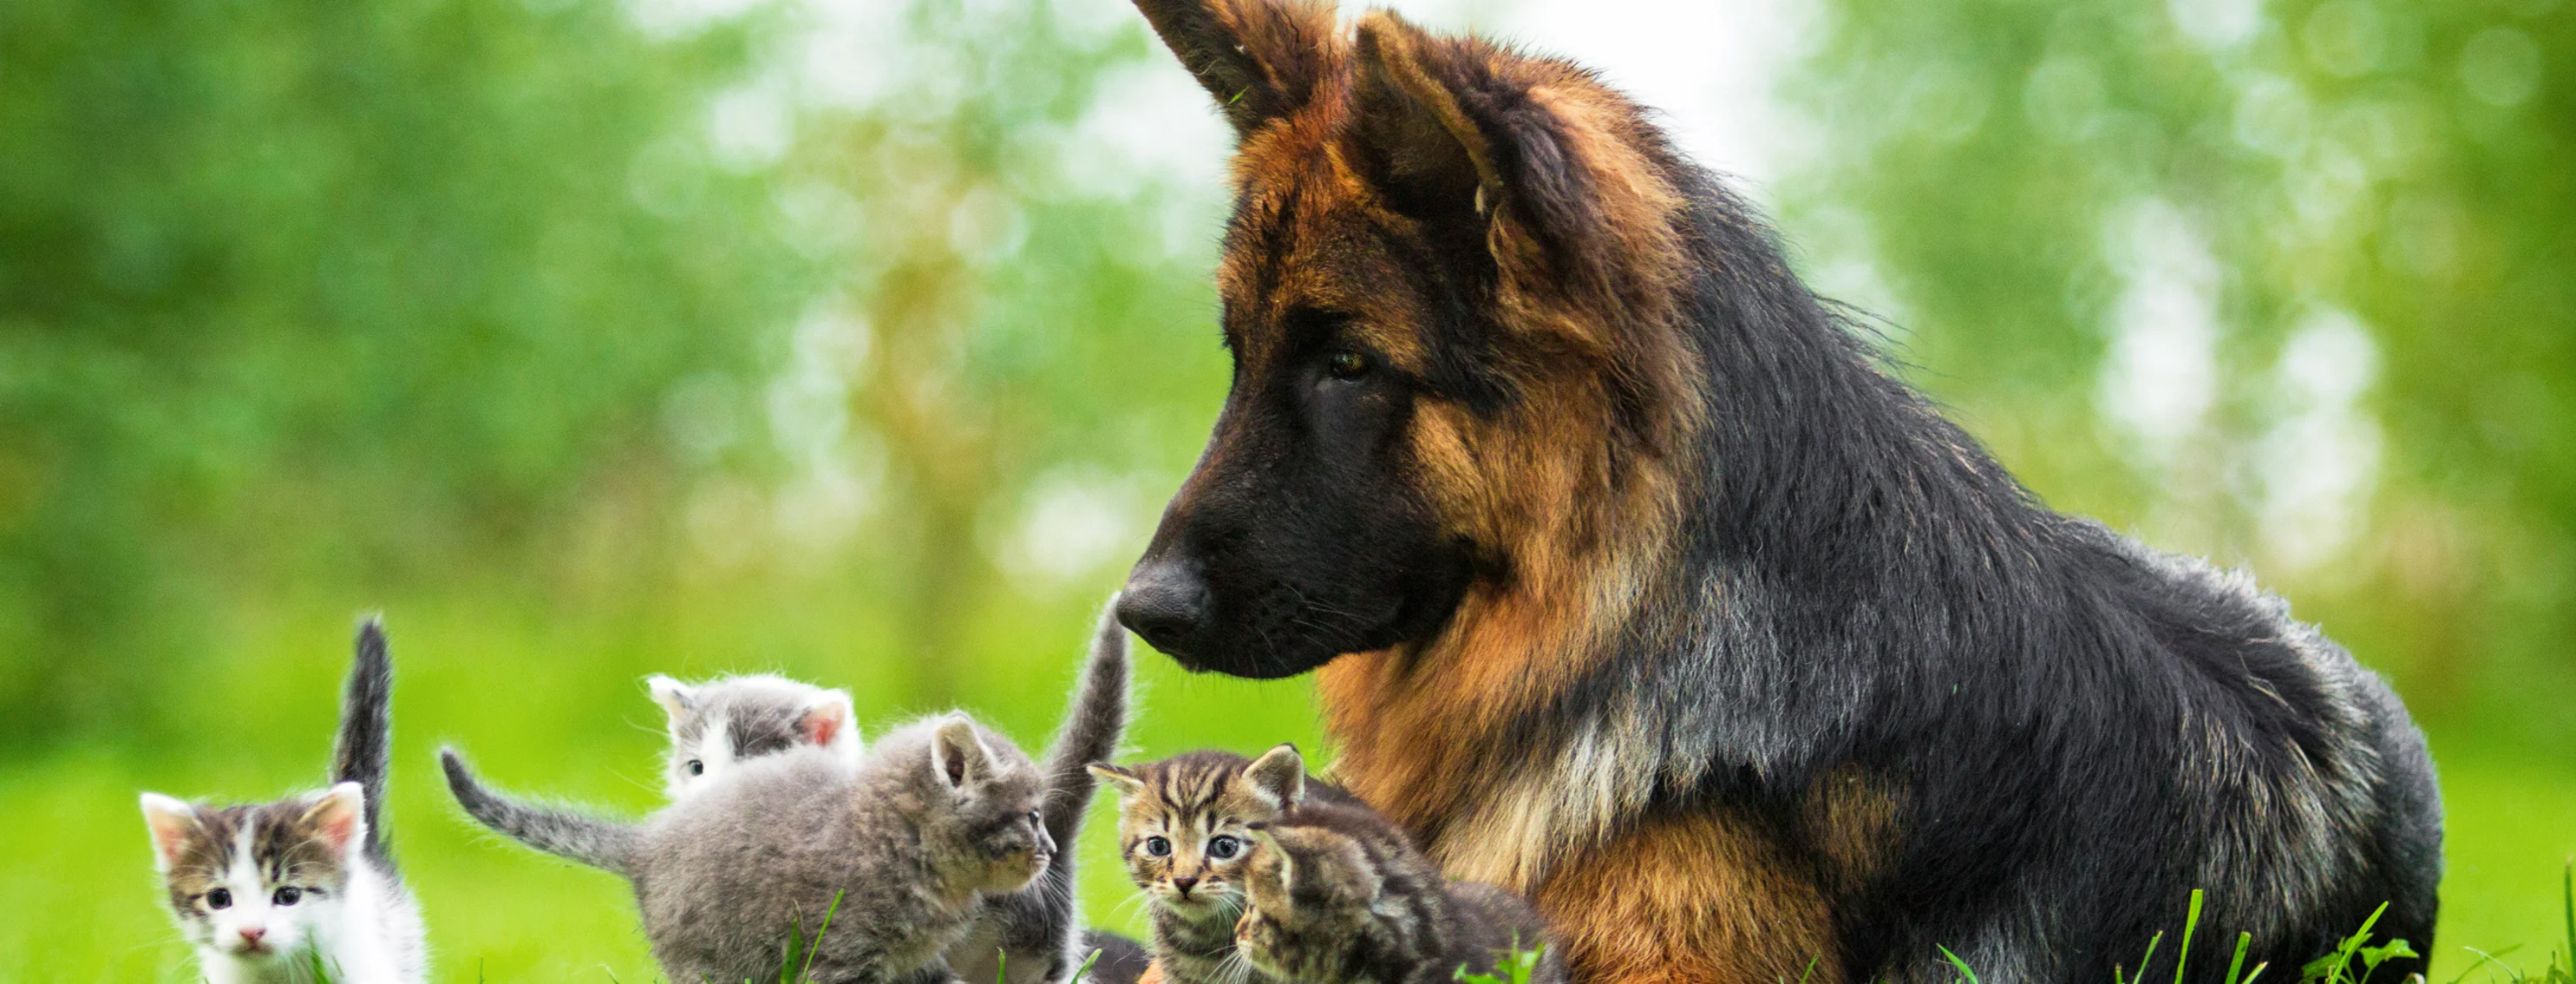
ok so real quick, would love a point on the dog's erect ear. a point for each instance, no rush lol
(1261, 59)
(1533, 156)
(1421, 107)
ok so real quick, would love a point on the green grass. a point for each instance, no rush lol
(1513, 968)
(553, 706)
(2354, 960)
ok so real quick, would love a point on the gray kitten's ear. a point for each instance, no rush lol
(675, 697)
(1279, 775)
(171, 822)
(1127, 782)
(957, 754)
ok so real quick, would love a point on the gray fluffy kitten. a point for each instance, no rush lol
(943, 813)
(1037, 927)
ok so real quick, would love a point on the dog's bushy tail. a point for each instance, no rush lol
(363, 751)
(608, 845)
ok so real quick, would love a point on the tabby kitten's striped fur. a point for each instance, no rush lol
(1184, 827)
(1338, 895)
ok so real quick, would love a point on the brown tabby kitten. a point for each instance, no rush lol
(1339, 896)
(1184, 828)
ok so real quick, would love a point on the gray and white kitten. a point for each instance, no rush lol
(724, 721)
(266, 891)
(1034, 933)
(1339, 895)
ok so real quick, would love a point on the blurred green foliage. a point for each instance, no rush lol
(2349, 222)
(861, 339)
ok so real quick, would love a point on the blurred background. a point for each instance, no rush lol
(862, 340)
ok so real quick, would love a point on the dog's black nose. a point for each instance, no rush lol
(1166, 603)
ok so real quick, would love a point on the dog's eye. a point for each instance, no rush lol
(1158, 847)
(1223, 847)
(1346, 364)
(697, 768)
(288, 895)
(221, 898)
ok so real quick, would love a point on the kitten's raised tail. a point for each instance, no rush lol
(604, 844)
(363, 752)
(1091, 730)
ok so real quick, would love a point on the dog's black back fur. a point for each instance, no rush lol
(2085, 726)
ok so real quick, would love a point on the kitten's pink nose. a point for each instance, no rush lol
(1183, 885)
(252, 934)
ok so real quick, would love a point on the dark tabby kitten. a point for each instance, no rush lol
(1340, 896)
(1184, 826)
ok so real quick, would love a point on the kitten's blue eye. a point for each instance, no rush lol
(697, 768)
(1223, 847)
(288, 895)
(221, 898)
(1158, 847)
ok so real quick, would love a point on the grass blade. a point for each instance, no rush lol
(1965, 971)
(2189, 923)
(2485, 958)
(2569, 887)
(807, 972)
(2331, 967)
(2244, 942)
(2152, 943)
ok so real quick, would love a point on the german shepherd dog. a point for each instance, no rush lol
(1638, 584)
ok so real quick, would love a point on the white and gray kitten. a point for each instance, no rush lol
(266, 892)
(716, 724)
